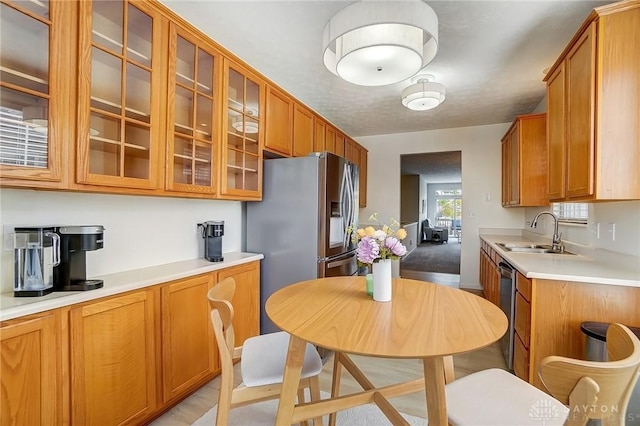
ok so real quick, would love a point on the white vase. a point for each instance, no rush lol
(382, 281)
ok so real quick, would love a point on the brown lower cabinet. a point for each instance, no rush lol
(113, 362)
(32, 355)
(548, 313)
(131, 356)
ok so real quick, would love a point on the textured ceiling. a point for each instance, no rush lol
(490, 58)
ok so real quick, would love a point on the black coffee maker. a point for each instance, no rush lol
(212, 232)
(75, 241)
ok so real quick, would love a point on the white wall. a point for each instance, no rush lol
(625, 215)
(140, 231)
(481, 179)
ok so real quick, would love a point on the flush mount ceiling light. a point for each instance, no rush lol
(375, 43)
(424, 94)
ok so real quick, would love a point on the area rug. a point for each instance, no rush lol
(429, 257)
(264, 413)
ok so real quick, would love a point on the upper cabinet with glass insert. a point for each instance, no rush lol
(193, 114)
(244, 95)
(119, 94)
(34, 98)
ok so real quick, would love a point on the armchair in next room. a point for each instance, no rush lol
(429, 233)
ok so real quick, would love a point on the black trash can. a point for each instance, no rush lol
(596, 350)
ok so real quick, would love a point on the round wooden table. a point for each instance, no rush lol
(423, 320)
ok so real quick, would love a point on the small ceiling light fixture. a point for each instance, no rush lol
(37, 117)
(243, 125)
(375, 43)
(424, 94)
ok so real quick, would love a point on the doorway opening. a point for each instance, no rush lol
(431, 206)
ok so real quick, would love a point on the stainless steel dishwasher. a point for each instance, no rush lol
(507, 304)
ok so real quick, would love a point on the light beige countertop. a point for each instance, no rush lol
(120, 282)
(587, 265)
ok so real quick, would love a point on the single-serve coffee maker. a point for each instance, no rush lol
(212, 232)
(36, 254)
(75, 242)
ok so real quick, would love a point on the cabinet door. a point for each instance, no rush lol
(580, 79)
(279, 123)
(520, 360)
(36, 121)
(246, 300)
(303, 131)
(193, 114)
(330, 139)
(514, 168)
(243, 129)
(31, 385)
(119, 96)
(319, 138)
(189, 353)
(523, 319)
(363, 177)
(506, 176)
(113, 366)
(556, 148)
(339, 144)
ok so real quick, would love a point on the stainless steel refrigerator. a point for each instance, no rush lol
(301, 223)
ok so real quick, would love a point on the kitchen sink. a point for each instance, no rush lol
(531, 248)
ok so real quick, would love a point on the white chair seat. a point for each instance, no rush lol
(496, 397)
(264, 357)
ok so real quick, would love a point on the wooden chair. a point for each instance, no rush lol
(262, 359)
(581, 390)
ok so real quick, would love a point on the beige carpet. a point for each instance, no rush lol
(264, 413)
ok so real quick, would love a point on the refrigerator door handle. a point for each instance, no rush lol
(350, 202)
(339, 263)
(344, 196)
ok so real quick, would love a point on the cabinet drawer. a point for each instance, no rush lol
(523, 319)
(520, 360)
(523, 285)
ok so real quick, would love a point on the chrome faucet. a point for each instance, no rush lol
(557, 241)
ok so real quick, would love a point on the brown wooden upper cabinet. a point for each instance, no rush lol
(119, 94)
(279, 123)
(524, 162)
(330, 138)
(36, 110)
(243, 130)
(339, 144)
(593, 128)
(193, 113)
(319, 138)
(303, 130)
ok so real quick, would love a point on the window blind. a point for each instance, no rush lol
(20, 143)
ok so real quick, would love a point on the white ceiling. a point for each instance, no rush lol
(490, 58)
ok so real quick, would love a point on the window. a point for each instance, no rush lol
(572, 212)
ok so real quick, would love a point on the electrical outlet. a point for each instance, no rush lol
(196, 229)
(471, 215)
(611, 229)
(596, 230)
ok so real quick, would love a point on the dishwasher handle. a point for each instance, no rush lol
(506, 270)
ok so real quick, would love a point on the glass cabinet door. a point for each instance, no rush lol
(32, 104)
(193, 132)
(242, 155)
(118, 95)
